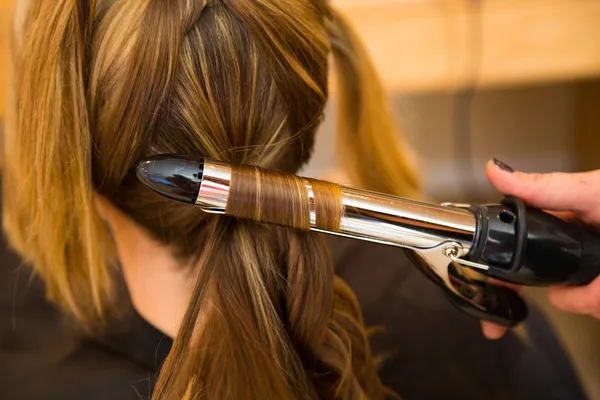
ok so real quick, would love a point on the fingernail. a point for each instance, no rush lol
(493, 332)
(503, 166)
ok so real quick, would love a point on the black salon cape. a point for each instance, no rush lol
(435, 352)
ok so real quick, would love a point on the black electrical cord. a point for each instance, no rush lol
(463, 102)
(462, 113)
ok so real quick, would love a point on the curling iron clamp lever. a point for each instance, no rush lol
(468, 288)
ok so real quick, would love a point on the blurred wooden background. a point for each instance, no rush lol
(424, 45)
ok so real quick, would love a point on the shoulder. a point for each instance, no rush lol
(82, 373)
(41, 357)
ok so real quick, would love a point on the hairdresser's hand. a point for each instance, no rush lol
(569, 196)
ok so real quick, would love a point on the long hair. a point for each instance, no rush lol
(101, 84)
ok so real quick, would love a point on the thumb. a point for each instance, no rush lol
(553, 191)
(581, 300)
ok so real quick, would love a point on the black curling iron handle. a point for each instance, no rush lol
(527, 246)
(531, 247)
(589, 266)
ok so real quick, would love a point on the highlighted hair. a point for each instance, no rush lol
(241, 81)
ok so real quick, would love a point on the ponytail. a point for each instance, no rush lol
(371, 150)
(268, 318)
(49, 212)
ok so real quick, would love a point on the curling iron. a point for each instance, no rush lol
(457, 246)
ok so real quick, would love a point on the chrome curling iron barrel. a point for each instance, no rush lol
(457, 246)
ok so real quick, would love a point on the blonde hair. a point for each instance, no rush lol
(101, 84)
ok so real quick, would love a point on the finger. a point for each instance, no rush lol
(580, 300)
(554, 191)
(492, 331)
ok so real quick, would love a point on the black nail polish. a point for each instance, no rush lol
(503, 166)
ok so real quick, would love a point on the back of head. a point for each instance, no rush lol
(101, 84)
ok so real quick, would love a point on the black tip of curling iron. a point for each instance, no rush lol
(173, 176)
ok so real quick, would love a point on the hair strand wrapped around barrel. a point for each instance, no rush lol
(284, 199)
